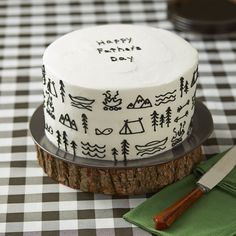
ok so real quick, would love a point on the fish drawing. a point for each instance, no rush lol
(152, 147)
(165, 98)
(106, 131)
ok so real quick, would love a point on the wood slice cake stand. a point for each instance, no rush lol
(119, 178)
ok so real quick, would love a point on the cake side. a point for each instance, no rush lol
(122, 121)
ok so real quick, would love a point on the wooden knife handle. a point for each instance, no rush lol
(165, 218)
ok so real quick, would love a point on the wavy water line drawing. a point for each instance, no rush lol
(93, 150)
(93, 155)
(95, 145)
(151, 147)
(165, 98)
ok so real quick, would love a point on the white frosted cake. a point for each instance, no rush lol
(119, 92)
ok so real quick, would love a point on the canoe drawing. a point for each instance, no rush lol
(152, 147)
(81, 102)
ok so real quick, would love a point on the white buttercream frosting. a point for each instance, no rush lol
(119, 56)
(119, 92)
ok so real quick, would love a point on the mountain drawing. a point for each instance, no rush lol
(140, 103)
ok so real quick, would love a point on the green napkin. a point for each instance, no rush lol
(214, 214)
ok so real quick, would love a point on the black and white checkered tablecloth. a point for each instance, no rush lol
(30, 202)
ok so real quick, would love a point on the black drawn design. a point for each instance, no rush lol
(178, 134)
(168, 116)
(154, 119)
(125, 149)
(84, 122)
(62, 90)
(44, 99)
(74, 147)
(51, 88)
(111, 103)
(93, 150)
(49, 106)
(167, 97)
(114, 153)
(140, 103)
(81, 102)
(181, 117)
(181, 86)
(184, 87)
(194, 99)
(152, 147)
(161, 119)
(44, 75)
(58, 138)
(106, 131)
(183, 106)
(48, 128)
(65, 140)
(194, 78)
(65, 120)
(132, 127)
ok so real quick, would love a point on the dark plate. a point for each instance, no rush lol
(204, 16)
(202, 128)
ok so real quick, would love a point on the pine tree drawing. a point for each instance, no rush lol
(58, 138)
(154, 118)
(186, 89)
(44, 75)
(114, 153)
(125, 149)
(65, 140)
(84, 122)
(181, 86)
(74, 147)
(162, 120)
(62, 90)
(168, 116)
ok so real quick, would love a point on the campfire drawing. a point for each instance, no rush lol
(112, 103)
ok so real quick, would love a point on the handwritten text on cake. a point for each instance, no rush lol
(120, 49)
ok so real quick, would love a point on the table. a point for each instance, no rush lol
(30, 202)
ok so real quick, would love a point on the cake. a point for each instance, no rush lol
(119, 92)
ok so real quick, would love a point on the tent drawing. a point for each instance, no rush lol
(132, 127)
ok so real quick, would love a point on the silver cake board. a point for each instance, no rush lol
(122, 178)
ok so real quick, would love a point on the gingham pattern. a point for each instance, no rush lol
(30, 202)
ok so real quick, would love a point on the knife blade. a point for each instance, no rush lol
(209, 180)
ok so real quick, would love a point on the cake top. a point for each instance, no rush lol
(119, 57)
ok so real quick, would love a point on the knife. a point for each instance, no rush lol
(209, 180)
